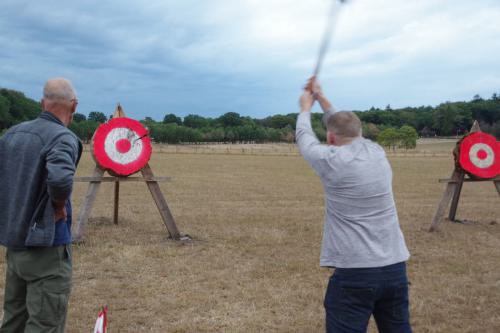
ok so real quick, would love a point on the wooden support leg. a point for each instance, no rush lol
(117, 201)
(456, 196)
(161, 203)
(87, 205)
(445, 200)
(497, 185)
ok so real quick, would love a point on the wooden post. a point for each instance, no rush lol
(449, 192)
(88, 203)
(161, 203)
(456, 195)
(117, 201)
(497, 185)
(458, 190)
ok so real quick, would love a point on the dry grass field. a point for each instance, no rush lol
(256, 220)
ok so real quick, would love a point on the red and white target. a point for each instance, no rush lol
(122, 146)
(480, 155)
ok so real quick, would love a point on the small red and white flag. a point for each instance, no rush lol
(102, 321)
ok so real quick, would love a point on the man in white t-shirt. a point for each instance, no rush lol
(362, 238)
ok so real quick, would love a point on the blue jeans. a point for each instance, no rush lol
(354, 294)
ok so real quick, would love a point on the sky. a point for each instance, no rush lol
(250, 56)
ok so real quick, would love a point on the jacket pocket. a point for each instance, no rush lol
(41, 231)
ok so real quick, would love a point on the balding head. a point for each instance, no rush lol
(345, 124)
(59, 98)
(59, 90)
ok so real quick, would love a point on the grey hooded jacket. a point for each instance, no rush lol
(38, 160)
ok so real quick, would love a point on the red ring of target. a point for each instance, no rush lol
(128, 154)
(480, 155)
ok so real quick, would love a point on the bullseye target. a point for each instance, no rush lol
(121, 146)
(480, 155)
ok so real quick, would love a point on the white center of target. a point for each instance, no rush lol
(118, 134)
(485, 162)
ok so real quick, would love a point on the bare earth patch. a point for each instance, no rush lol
(256, 220)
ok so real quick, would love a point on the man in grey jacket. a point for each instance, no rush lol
(362, 239)
(38, 160)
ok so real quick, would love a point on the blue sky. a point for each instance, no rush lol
(250, 56)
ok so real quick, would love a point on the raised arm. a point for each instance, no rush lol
(309, 146)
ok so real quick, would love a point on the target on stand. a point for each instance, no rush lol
(121, 146)
(480, 155)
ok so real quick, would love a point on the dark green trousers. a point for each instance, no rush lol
(37, 289)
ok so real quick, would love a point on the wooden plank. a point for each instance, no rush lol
(120, 179)
(161, 203)
(87, 205)
(456, 196)
(117, 202)
(469, 180)
(445, 200)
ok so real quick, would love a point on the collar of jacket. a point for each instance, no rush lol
(50, 117)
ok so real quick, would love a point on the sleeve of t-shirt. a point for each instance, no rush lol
(309, 146)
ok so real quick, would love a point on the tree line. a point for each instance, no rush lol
(390, 127)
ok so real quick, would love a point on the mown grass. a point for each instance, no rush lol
(256, 221)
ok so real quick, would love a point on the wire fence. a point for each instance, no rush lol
(279, 149)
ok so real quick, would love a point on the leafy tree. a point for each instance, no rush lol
(21, 108)
(97, 116)
(477, 98)
(486, 111)
(78, 117)
(408, 137)
(388, 138)
(172, 119)
(272, 134)
(230, 135)
(230, 119)
(6, 119)
(423, 117)
(280, 121)
(84, 129)
(370, 131)
(449, 118)
(214, 135)
(195, 121)
(288, 134)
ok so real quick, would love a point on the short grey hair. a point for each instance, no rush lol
(344, 123)
(59, 89)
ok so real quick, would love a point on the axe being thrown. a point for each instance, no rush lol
(327, 36)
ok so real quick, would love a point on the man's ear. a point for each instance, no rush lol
(330, 138)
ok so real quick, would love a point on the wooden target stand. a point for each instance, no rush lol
(454, 189)
(148, 177)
